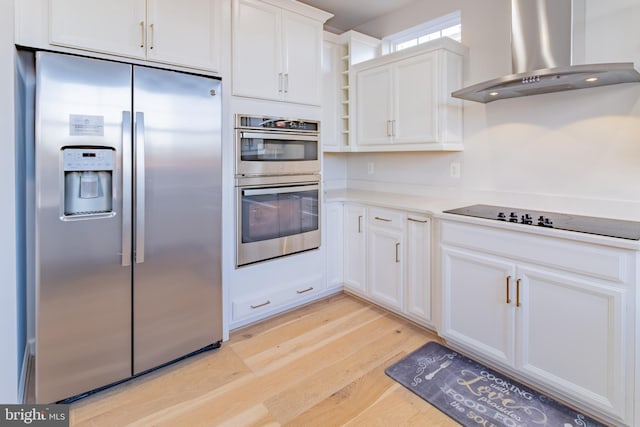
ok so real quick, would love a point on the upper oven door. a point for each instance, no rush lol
(276, 153)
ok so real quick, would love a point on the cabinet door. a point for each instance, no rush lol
(354, 248)
(331, 60)
(414, 90)
(185, 33)
(115, 26)
(257, 50)
(373, 106)
(384, 257)
(475, 293)
(571, 335)
(302, 44)
(418, 268)
(334, 233)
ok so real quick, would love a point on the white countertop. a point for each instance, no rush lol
(434, 206)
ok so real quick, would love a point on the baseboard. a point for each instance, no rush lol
(27, 360)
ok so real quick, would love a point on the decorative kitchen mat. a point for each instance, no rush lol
(475, 395)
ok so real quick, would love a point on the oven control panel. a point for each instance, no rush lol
(276, 123)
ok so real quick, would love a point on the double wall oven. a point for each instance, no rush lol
(277, 187)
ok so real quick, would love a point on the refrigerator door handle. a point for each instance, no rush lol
(139, 192)
(126, 188)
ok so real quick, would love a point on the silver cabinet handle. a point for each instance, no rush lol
(280, 84)
(267, 302)
(126, 188)
(393, 128)
(382, 219)
(151, 43)
(397, 252)
(286, 83)
(310, 288)
(388, 127)
(139, 187)
(418, 220)
(359, 223)
(142, 34)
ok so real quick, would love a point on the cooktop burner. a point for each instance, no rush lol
(582, 224)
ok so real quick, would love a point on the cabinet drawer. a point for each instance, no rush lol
(582, 258)
(386, 218)
(268, 301)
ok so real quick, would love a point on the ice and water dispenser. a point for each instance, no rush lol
(88, 180)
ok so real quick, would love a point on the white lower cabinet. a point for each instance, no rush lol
(334, 232)
(258, 303)
(562, 324)
(418, 268)
(388, 259)
(385, 239)
(354, 248)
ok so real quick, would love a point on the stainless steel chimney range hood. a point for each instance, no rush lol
(541, 57)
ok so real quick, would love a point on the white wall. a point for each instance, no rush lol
(580, 144)
(8, 291)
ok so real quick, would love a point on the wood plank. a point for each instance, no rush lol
(348, 402)
(314, 388)
(320, 365)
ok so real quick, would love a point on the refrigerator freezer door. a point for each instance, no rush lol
(177, 285)
(83, 291)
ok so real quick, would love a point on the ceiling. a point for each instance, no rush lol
(349, 14)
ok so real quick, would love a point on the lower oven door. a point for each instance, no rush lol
(276, 219)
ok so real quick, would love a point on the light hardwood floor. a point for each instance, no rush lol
(320, 365)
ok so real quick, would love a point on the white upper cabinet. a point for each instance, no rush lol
(116, 26)
(277, 52)
(185, 33)
(257, 50)
(403, 100)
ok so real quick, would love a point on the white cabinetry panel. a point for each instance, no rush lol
(474, 303)
(554, 311)
(354, 247)
(277, 53)
(115, 26)
(418, 268)
(403, 100)
(185, 33)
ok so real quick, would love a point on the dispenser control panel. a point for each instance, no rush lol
(88, 159)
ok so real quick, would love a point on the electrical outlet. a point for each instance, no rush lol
(370, 168)
(454, 170)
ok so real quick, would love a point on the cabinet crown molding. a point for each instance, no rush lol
(302, 9)
(444, 43)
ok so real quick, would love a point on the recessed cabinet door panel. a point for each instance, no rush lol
(418, 265)
(384, 254)
(257, 56)
(185, 32)
(302, 41)
(475, 295)
(114, 26)
(354, 247)
(571, 335)
(414, 82)
(374, 106)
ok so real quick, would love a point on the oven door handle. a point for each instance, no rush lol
(279, 190)
(278, 135)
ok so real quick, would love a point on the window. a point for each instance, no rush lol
(444, 26)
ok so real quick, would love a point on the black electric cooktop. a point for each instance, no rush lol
(582, 224)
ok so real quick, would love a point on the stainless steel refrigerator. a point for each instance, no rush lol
(127, 220)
